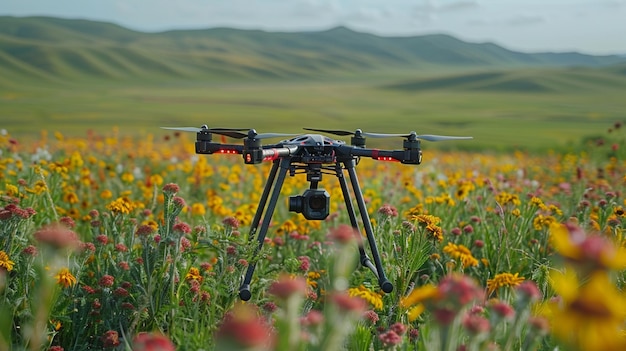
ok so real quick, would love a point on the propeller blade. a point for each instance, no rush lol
(273, 135)
(430, 137)
(231, 133)
(331, 131)
(383, 135)
(184, 129)
(427, 137)
(210, 130)
(239, 135)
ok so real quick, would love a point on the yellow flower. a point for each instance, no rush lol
(193, 274)
(65, 278)
(11, 190)
(505, 198)
(588, 317)
(542, 221)
(121, 205)
(106, 194)
(127, 177)
(503, 280)
(197, 209)
(462, 254)
(70, 198)
(587, 251)
(425, 220)
(5, 262)
(419, 295)
(434, 232)
(311, 279)
(374, 298)
(415, 312)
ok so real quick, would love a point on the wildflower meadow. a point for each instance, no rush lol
(116, 243)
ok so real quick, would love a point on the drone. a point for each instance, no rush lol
(313, 155)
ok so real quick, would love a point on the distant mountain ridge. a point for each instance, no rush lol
(53, 48)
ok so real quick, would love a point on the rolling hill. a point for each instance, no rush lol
(564, 80)
(54, 48)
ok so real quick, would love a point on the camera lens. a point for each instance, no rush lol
(317, 202)
(296, 204)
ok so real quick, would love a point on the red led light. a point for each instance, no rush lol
(225, 151)
(386, 158)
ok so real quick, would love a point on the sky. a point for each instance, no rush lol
(588, 26)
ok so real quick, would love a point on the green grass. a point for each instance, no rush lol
(499, 119)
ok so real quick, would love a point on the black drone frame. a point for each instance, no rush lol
(313, 155)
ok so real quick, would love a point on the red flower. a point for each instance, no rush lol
(388, 211)
(371, 316)
(30, 250)
(57, 236)
(110, 339)
(343, 234)
(390, 338)
(475, 324)
(243, 328)
(145, 230)
(181, 228)
(106, 281)
(152, 342)
(171, 188)
(348, 303)
(399, 328)
(68, 222)
(231, 222)
(287, 286)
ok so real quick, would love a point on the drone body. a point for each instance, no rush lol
(313, 155)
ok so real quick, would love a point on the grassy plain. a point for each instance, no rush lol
(571, 107)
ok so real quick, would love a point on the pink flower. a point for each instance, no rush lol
(30, 250)
(399, 328)
(231, 222)
(287, 286)
(388, 211)
(314, 317)
(348, 303)
(181, 228)
(243, 328)
(343, 234)
(528, 291)
(68, 222)
(371, 316)
(390, 338)
(57, 236)
(475, 324)
(502, 310)
(171, 188)
(152, 342)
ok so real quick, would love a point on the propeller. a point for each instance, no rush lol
(358, 132)
(252, 134)
(334, 131)
(204, 128)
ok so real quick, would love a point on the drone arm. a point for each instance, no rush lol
(256, 155)
(407, 156)
(207, 147)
